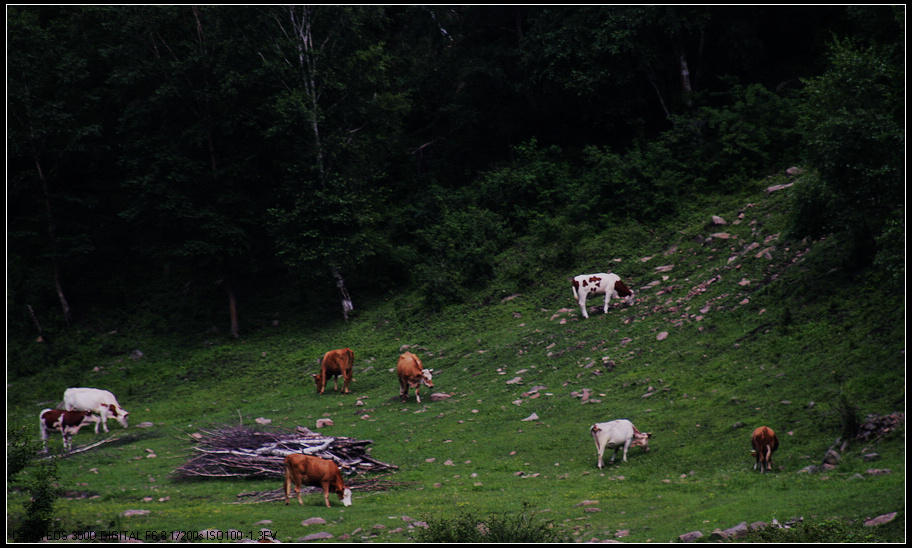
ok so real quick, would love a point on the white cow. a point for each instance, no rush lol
(93, 400)
(617, 434)
(609, 285)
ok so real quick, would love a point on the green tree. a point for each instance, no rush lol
(337, 111)
(52, 132)
(853, 126)
(195, 190)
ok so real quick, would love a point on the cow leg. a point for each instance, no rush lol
(582, 303)
(627, 446)
(607, 298)
(326, 493)
(614, 456)
(417, 397)
(601, 451)
(287, 488)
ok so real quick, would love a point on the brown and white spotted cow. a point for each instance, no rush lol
(764, 443)
(66, 422)
(609, 285)
(412, 375)
(336, 363)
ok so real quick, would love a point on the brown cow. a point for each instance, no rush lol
(66, 422)
(333, 364)
(311, 470)
(764, 442)
(412, 375)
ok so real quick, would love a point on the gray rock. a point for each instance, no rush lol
(690, 537)
(323, 535)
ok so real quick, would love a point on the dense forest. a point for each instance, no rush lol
(180, 167)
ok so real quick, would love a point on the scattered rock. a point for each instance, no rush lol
(131, 513)
(261, 420)
(690, 537)
(831, 457)
(313, 521)
(515, 380)
(145, 425)
(532, 417)
(438, 396)
(661, 336)
(323, 535)
(878, 471)
(880, 520)
(324, 422)
(774, 188)
(737, 531)
(586, 503)
(716, 220)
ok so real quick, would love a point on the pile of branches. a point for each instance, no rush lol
(228, 451)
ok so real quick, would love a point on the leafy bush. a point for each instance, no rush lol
(852, 123)
(39, 510)
(20, 451)
(824, 532)
(467, 527)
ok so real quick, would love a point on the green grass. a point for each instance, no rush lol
(805, 338)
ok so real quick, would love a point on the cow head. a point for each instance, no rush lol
(427, 378)
(641, 439)
(629, 299)
(119, 414)
(320, 382)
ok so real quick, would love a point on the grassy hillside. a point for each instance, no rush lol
(729, 332)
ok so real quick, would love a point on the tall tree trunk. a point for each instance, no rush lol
(52, 237)
(232, 306)
(347, 305)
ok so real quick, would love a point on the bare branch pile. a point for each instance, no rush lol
(227, 451)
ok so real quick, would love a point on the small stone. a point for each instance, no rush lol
(880, 520)
(323, 535)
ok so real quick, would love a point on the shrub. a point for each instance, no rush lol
(39, 510)
(20, 451)
(467, 527)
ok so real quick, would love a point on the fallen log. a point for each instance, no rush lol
(228, 451)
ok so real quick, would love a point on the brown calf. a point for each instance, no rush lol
(764, 442)
(412, 375)
(334, 364)
(316, 472)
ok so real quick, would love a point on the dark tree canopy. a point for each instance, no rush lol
(167, 164)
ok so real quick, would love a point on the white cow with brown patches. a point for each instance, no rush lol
(615, 435)
(609, 285)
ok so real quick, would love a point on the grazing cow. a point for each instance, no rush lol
(617, 434)
(412, 375)
(66, 422)
(609, 285)
(334, 364)
(311, 470)
(764, 442)
(93, 400)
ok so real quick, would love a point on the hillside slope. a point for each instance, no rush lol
(733, 327)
